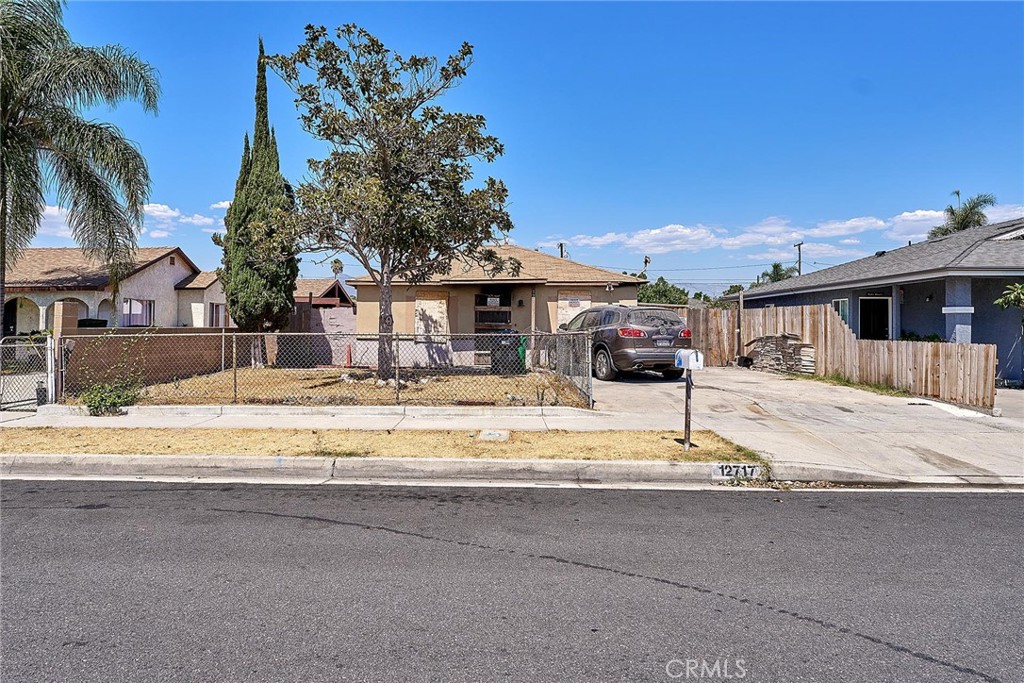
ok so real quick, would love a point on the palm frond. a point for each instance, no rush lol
(104, 147)
(81, 76)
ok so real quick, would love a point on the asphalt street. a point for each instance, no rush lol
(114, 581)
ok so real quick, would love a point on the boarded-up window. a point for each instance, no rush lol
(572, 302)
(431, 315)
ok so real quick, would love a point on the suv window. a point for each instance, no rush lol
(576, 323)
(609, 317)
(654, 317)
(591, 319)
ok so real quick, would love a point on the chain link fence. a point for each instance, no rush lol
(24, 378)
(318, 369)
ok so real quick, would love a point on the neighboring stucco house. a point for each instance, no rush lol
(547, 291)
(164, 289)
(944, 286)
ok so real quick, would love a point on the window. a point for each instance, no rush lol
(172, 260)
(610, 317)
(842, 307)
(218, 315)
(431, 321)
(576, 323)
(591, 319)
(654, 317)
(137, 313)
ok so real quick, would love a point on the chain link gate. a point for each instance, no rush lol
(26, 373)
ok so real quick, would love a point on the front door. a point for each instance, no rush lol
(10, 318)
(875, 314)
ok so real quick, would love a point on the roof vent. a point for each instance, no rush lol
(880, 253)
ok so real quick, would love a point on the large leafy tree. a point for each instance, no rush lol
(259, 290)
(100, 178)
(661, 291)
(392, 193)
(965, 215)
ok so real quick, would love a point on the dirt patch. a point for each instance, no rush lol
(610, 445)
(333, 386)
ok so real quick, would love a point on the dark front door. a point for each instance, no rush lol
(10, 318)
(874, 318)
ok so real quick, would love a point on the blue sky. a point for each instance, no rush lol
(711, 137)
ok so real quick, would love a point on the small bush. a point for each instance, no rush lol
(109, 399)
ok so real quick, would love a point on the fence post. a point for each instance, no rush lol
(51, 367)
(234, 365)
(588, 367)
(397, 341)
(223, 342)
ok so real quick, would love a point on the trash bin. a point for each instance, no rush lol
(508, 352)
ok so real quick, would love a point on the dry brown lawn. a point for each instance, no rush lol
(282, 386)
(610, 445)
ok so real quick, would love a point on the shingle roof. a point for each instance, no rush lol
(317, 286)
(536, 267)
(68, 268)
(198, 280)
(978, 250)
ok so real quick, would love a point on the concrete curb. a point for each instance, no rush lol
(803, 472)
(323, 470)
(59, 410)
(327, 469)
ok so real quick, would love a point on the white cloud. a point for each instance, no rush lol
(811, 250)
(913, 225)
(197, 219)
(54, 223)
(1004, 212)
(852, 226)
(161, 214)
(213, 231)
(221, 205)
(671, 238)
(159, 234)
(651, 241)
(850, 240)
(772, 231)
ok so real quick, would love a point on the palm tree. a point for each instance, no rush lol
(964, 216)
(98, 176)
(778, 273)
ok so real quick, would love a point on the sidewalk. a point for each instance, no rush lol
(807, 429)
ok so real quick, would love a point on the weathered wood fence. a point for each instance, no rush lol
(958, 373)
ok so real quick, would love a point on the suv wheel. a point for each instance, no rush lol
(604, 369)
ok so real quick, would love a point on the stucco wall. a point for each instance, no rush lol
(992, 325)
(461, 303)
(921, 315)
(156, 283)
(190, 308)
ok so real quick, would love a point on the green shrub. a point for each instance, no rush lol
(110, 398)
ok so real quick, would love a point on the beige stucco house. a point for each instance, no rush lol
(165, 289)
(547, 292)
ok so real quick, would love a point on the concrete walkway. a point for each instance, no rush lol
(805, 427)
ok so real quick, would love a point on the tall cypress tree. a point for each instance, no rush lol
(259, 290)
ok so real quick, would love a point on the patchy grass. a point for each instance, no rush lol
(312, 387)
(843, 381)
(560, 445)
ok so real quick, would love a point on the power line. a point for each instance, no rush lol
(678, 270)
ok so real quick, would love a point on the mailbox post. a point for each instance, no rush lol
(688, 360)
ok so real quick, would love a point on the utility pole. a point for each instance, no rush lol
(799, 258)
(561, 250)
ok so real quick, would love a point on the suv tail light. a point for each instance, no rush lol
(685, 333)
(631, 332)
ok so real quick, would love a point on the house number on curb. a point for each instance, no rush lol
(732, 471)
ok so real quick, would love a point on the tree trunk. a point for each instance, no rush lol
(386, 325)
(3, 246)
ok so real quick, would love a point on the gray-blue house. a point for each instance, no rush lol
(944, 286)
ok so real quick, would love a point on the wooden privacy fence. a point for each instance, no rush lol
(958, 373)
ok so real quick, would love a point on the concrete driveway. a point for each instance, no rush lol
(798, 422)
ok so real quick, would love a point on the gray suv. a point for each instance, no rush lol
(633, 338)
